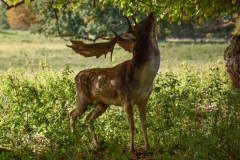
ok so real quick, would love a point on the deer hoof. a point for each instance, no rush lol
(133, 150)
(147, 152)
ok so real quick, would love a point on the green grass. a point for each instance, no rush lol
(17, 47)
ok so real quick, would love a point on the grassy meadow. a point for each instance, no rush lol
(17, 47)
(193, 113)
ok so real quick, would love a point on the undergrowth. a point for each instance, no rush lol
(193, 113)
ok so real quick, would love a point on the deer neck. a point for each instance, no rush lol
(145, 62)
(146, 54)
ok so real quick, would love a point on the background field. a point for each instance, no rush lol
(17, 47)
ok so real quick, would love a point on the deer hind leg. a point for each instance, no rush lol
(78, 111)
(142, 108)
(129, 114)
(94, 114)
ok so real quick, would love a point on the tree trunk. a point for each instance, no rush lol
(232, 59)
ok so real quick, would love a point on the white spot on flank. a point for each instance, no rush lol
(112, 82)
(97, 85)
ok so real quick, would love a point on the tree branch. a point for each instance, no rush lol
(14, 5)
(57, 23)
(5, 3)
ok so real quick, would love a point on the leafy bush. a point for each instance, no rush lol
(193, 113)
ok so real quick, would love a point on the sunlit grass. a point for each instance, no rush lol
(18, 47)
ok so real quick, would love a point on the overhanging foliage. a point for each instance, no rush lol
(172, 10)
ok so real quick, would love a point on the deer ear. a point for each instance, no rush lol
(95, 49)
(126, 41)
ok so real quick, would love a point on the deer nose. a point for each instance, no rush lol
(152, 14)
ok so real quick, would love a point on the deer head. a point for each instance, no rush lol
(141, 28)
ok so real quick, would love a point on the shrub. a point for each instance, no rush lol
(193, 113)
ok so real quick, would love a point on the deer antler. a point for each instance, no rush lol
(126, 40)
(129, 24)
(95, 49)
(134, 20)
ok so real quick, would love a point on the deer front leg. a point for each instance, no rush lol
(94, 114)
(129, 114)
(142, 108)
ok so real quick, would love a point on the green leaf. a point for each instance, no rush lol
(179, 23)
(122, 4)
(205, 16)
(200, 19)
(174, 17)
(27, 1)
(162, 16)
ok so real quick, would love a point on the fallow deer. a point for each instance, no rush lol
(127, 84)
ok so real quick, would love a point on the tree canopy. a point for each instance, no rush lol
(172, 10)
(93, 19)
